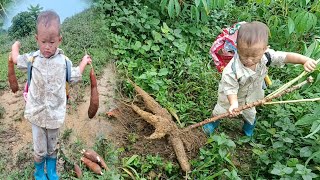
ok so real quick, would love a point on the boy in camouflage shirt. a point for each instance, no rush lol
(46, 100)
(243, 77)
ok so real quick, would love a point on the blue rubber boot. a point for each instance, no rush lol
(248, 128)
(39, 173)
(52, 168)
(208, 129)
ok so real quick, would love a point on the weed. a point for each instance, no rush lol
(132, 137)
(2, 112)
(66, 134)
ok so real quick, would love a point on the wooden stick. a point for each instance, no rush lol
(250, 105)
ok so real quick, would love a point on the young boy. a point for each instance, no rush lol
(243, 77)
(46, 100)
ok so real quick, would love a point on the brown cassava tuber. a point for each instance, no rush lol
(77, 170)
(94, 167)
(94, 157)
(94, 98)
(12, 75)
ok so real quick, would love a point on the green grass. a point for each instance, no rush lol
(4, 71)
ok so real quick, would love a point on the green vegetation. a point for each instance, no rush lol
(24, 23)
(163, 46)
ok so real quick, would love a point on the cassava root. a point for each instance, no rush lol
(94, 98)
(12, 75)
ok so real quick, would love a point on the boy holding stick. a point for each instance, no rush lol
(243, 77)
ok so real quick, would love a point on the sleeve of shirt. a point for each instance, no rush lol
(229, 84)
(76, 76)
(277, 57)
(22, 61)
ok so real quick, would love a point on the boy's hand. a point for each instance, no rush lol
(310, 65)
(16, 45)
(84, 62)
(232, 109)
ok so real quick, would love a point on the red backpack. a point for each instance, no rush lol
(225, 46)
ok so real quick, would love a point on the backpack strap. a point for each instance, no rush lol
(268, 56)
(29, 70)
(233, 68)
(68, 70)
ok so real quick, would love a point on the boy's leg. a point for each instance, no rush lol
(209, 128)
(40, 150)
(51, 159)
(249, 116)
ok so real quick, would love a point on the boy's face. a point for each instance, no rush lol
(251, 55)
(48, 39)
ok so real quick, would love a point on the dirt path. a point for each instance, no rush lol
(87, 130)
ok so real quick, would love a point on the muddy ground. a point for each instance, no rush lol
(127, 129)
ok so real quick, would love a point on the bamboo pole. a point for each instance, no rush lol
(293, 101)
(285, 86)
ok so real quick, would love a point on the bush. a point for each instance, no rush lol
(23, 24)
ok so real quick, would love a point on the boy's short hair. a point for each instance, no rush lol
(48, 18)
(253, 32)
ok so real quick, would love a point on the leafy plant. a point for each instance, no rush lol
(141, 167)
(215, 160)
(199, 10)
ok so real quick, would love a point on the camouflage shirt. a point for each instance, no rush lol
(46, 100)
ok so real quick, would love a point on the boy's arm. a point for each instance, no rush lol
(233, 100)
(229, 85)
(76, 72)
(15, 51)
(295, 58)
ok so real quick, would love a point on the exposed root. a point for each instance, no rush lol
(180, 153)
(162, 125)
(192, 141)
(151, 104)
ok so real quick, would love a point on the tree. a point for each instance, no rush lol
(24, 23)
